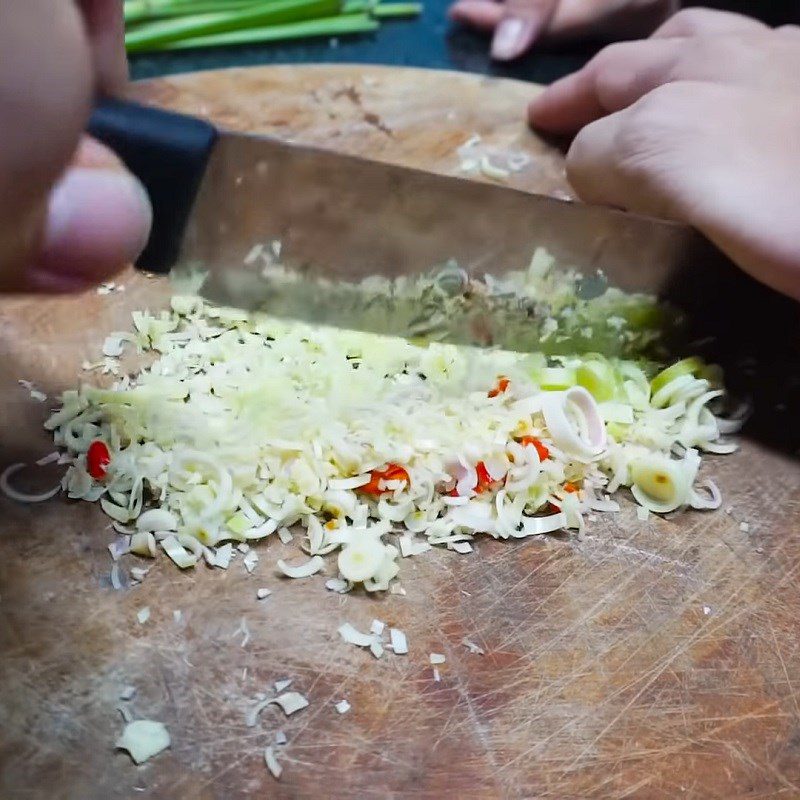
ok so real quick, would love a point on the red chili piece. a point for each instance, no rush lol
(393, 472)
(98, 458)
(500, 387)
(541, 448)
(484, 478)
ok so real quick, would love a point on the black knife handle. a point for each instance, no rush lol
(168, 153)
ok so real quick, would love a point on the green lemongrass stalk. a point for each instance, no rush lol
(357, 6)
(275, 12)
(326, 26)
(138, 10)
(148, 10)
(381, 10)
(392, 10)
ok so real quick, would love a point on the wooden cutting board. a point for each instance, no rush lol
(653, 659)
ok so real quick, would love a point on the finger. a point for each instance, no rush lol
(591, 162)
(97, 221)
(577, 19)
(657, 156)
(105, 26)
(485, 15)
(708, 22)
(45, 92)
(615, 78)
(523, 22)
(605, 169)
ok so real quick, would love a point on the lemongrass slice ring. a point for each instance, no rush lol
(659, 483)
(582, 442)
(361, 559)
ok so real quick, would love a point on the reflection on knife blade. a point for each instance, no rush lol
(541, 308)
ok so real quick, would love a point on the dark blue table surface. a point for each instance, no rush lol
(427, 41)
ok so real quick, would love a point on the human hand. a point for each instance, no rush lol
(695, 44)
(517, 24)
(703, 128)
(70, 215)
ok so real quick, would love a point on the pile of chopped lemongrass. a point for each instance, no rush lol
(158, 25)
(245, 425)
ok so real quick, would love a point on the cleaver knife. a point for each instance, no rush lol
(301, 232)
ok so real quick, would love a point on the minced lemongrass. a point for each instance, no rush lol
(290, 702)
(271, 760)
(179, 554)
(398, 641)
(311, 567)
(491, 170)
(376, 648)
(244, 426)
(157, 519)
(143, 544)
(143, 739)
(352, 635)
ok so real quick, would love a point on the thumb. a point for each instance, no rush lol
(523, 22)
(97, 220)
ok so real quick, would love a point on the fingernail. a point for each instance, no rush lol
(508, 40)
(98, 221)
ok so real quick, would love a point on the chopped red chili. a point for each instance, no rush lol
(98, 458)
(393, 472)
(541, 448)
(500, 387)
(485, 480)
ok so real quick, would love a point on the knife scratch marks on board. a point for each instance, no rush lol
(474, 719)
(646, 681)
(649, 677)
(647, 557)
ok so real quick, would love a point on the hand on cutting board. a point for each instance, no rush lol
(516, 25)
(700, 123)
(70, 215)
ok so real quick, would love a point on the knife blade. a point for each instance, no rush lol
(302, 232)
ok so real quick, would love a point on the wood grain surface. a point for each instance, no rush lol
(654, 659)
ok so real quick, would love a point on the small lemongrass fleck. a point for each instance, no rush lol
(342, 707)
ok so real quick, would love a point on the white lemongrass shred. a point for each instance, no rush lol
(144, 739)
(18, 495)
(311, 567)
(352, 635)
(398, 642)
(271, 760)
(241, 426)
(342, 707)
